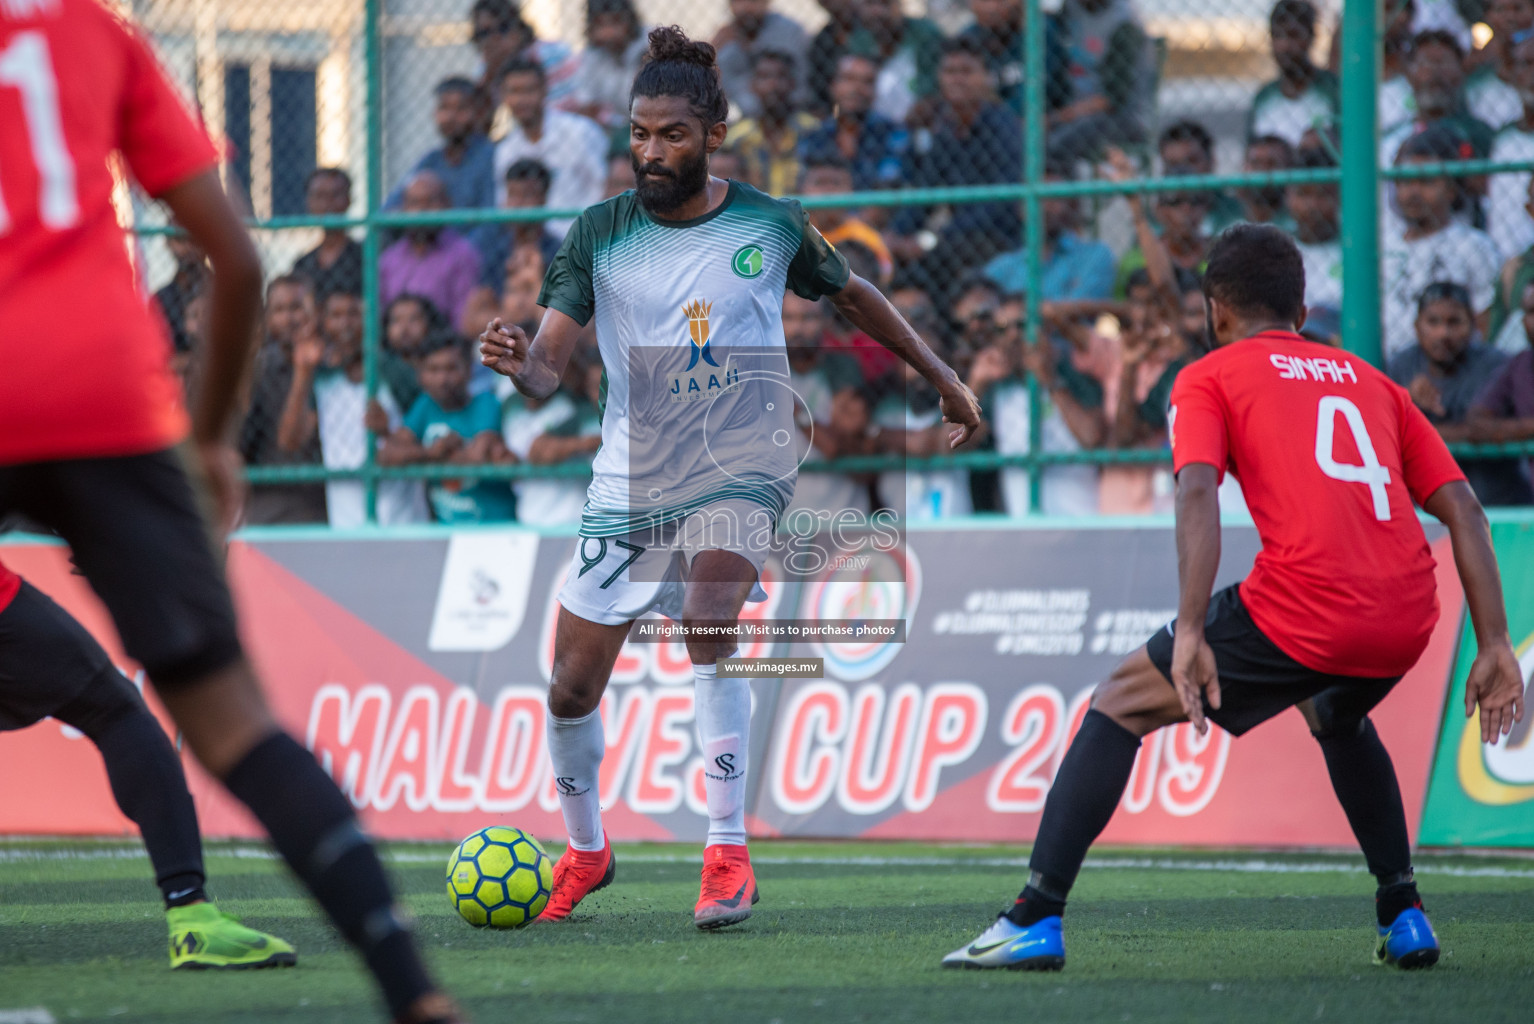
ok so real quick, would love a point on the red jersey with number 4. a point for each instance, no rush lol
(1331, 455)
(9, 584)
(84, 362)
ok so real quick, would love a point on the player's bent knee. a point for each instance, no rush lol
(573, 693)
(1138, 697)
(1326, 723)
(106, 700)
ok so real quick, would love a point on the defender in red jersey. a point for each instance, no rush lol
(91, 419)
(1332, 458)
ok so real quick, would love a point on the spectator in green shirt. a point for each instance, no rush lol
(908, 51)
(1303, 96)
(445, 425)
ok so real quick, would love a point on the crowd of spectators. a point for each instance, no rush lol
(877, 99)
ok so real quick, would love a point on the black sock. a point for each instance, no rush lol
(1390, 900)
(1034, 906)
(1366, 787)
(182, 890)
(147, 781)
(314, 829)
(1087, 789)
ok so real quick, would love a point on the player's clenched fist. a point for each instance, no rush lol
(503, 348)
(959, 406)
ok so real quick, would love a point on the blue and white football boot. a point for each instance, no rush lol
(1408, 943)
(1038, 947)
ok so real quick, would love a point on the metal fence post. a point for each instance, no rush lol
(1033, 228)
(1361, 35)
(372, 50)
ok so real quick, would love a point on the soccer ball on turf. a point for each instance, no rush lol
(499, 877)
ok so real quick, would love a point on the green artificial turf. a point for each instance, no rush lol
(844, 932)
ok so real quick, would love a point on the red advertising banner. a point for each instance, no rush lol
(416, 670)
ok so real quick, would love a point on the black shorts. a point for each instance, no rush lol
(137, 535)
(1257, 680)
(47, 659)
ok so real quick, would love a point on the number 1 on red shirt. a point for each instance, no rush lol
(26, 65)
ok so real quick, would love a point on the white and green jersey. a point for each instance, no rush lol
(689, 323)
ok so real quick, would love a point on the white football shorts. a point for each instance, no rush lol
(613, 580)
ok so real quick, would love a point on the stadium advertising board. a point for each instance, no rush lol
(416, 669)
(1484, 795)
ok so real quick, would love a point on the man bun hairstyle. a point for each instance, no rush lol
(1257, 271)
(678, 66)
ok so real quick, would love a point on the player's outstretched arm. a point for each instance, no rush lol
(200, 205)
(866, 308)
(1495, 682)
(1198, 559)
(535, 366)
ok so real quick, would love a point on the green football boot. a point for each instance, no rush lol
(202, 936)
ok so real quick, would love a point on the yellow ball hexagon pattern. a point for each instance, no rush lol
(473, 913)
(463, 879)
(490, 893)
(500, 877)
(522, 885)
(509, 916)
(495, 861)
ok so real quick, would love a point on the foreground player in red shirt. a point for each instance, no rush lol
(91, 420)
(1331, 456)
(51, 667)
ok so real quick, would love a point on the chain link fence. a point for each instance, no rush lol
(411, 167)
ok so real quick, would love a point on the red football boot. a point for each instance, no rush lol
(729, 887)
(578, 874)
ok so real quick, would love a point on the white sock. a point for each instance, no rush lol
(576, 746)
(724, 732)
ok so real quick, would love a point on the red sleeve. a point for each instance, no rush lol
(1425, 459)
(1198, 421)
(161, 142)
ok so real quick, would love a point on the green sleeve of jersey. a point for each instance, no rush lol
(567, 286)
(817, 268)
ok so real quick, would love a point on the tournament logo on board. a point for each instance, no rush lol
(871, 592)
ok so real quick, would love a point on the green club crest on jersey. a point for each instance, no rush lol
(748, 261)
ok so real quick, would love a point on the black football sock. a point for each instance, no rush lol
(1365, 783)
(314, 829)
(1034, 906)
(1390, 900)
(1087, 789)
(147, 781)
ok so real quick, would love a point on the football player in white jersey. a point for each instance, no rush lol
(685, 277)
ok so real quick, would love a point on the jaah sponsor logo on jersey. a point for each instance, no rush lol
(695, 382)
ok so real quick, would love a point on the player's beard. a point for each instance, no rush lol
(661, 190)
